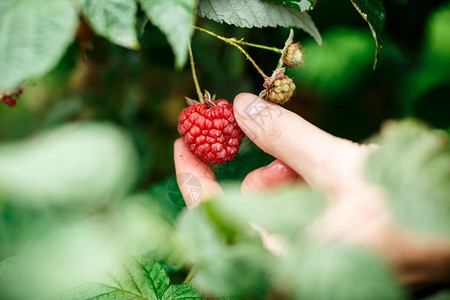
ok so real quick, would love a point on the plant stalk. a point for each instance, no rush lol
(232, 41)
(242, 42)
(189, 275)
(194, 75)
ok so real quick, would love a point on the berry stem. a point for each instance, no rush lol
(189, 275)
(232, 41)
(194, 75)
(242, 42)
(289, 41)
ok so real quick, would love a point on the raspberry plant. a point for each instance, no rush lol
(89, 207)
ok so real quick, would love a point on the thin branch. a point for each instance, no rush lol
(194, 75)
(232, 41)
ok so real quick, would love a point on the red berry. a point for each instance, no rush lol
(211, 133)
(10, 101)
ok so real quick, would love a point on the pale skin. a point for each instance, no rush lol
(357, 211)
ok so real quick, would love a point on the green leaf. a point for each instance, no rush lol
(141, 22)
(33, 36)
(300, 6)
(6, 267)
(256, 13)
(113, 19)
(240, 269)
(69, 251)
(413, 165)
(197, 236)
(374, 14)
(86, 163)
(138, 278)
(181, 291)
(295, 208)
(175, 18)
(142, 217)
(334, 272)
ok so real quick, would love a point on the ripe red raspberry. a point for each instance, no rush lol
(8, 100)
(10, 97)
(210, 130)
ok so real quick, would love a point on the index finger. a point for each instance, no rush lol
(319, 157)
(196, 179)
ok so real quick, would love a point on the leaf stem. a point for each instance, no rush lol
(289, 41)
(194, 75)
(189, 275)
(233, 42)
(242, 42)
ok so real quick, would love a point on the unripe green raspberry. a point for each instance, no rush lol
(279, 87)
(293, 55)
(281, 90)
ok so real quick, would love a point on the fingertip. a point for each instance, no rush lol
(243, 97)
(274, 175)
(177, 144)
(196, 179)
(180, 151)
(243, 101)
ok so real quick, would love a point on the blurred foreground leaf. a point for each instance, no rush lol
(334, 272)
(224, 265)
(198, 236)
(113, 19)
(80, 163)
(63, 258)
(71, 251)
(138, 278)
(257, 13)
(175, 18)
(241, 269)
(33, 36)
(287, 210)
(219, 237)
(145, 227)
(413, 164)
(374, 14)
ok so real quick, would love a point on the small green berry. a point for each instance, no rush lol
(281, 91)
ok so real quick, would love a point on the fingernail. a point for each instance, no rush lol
(278, 166)
(248, 105)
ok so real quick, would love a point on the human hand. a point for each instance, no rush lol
(357, 212)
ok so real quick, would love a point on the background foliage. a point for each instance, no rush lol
(87, 186)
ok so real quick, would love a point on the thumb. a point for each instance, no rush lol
(320, 158)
